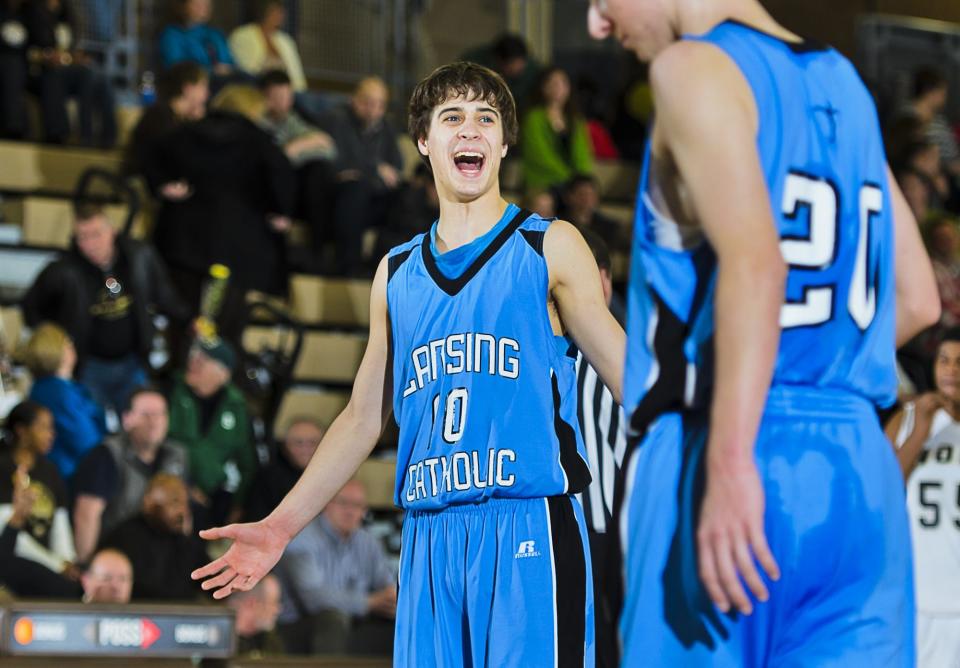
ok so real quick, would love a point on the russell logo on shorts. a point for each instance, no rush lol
(527, 548)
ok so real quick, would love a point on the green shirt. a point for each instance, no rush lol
(545, 162)
(224, 456)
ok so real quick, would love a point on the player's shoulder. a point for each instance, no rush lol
(687, 58)
(398, 256)
(688, 72)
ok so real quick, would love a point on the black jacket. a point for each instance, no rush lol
(65, 290)
(238, 177)
(359, 148)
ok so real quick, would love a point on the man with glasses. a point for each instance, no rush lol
(274, 480)
(339, 588)
(103, 291)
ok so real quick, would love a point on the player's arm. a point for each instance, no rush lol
(909, 446)
(918, 301)
(576, 289)
(709, 126)
(257, 546)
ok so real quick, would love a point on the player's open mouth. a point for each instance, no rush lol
(468, 163)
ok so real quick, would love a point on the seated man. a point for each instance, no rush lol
(108, 579)
(111, 480)
(368, 166)
(208, 415)
(256, 619)
(274, 480)
(340, 593)
(579, 204)
(103, 292)
(309, 150)
(161, 543)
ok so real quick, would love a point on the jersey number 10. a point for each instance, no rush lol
(818, 250)
(454, 414)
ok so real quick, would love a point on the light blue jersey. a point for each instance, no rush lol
(494, 563)
(484, 392)
(822, 155)
(830, 479)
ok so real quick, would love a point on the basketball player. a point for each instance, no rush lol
(927, 435)
(465, 349)
(762, 308)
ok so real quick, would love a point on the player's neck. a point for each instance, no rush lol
(462, 222)
(697, 17)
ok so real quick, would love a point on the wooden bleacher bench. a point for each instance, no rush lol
(26, 167)
(320, 403)
(332, 357)
(340, 301)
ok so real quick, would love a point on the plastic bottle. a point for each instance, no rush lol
(148, 89)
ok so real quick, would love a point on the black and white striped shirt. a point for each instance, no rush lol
(604, 429)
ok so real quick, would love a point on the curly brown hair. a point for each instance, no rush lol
(469, 80)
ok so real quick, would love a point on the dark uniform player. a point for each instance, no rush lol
(765, 205)
(466, 348)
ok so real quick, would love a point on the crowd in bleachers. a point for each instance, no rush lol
(923, 153)
(109, 468)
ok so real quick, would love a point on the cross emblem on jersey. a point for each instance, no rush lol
(831, 113)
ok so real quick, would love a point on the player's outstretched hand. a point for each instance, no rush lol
(256, 548)
(731, 539)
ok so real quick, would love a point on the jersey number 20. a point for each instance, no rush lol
(818, 250)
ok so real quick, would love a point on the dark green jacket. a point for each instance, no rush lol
(225, 450)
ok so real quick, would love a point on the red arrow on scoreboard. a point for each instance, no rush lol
(149, 633)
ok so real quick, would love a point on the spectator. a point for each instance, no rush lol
(509, 57)
(104, 292)
(542, 202)
(923, 159)
(182, 93)
(926, 433)
(263, 47)
(24, 576)
(553, 136)
(302, 142)
(368, 169)
(309, 150)
(273, 481)
(192, 39)
(238, 194)
(13, 70)
(79, 420)
(580, 201)
(929, 98)
(943, 241)
(256, 618)
(208, 415)
(598, 119)
(108, 579)
(62, 71)
(339, 590)
(44, 536)
(417, 206)
(161, 543)
(918, 193)
(111, 480)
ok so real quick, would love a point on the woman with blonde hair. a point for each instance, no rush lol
(79, 420)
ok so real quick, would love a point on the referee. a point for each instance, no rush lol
(603, 426)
